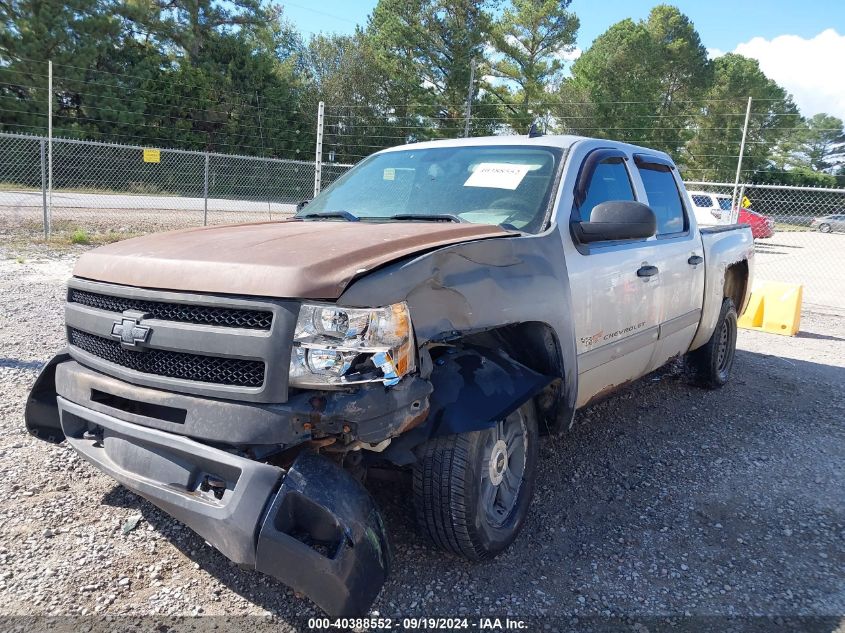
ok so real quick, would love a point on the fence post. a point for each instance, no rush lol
(734, 201)
(468, 109)
(318, 154)
(739, 200)
(43, 153)
(49, 147)
(205, 194)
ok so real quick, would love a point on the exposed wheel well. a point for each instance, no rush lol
(736, 280)
(535, 345)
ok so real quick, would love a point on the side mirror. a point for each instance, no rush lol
(301, 205)
(617, 220)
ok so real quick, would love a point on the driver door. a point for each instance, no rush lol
(614, 288)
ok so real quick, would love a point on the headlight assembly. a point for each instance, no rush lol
(336, 346)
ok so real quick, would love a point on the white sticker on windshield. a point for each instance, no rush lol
(497, 175)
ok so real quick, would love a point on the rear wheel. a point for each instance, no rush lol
(710, 365)
(824, 227)
(472, 491)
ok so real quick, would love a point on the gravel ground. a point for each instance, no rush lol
(664, 500)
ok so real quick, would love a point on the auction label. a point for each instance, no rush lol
(497, 175)
(419, 624)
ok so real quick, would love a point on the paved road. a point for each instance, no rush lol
(815, 260)
(17, 200)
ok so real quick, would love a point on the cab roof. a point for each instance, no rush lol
(563, 141)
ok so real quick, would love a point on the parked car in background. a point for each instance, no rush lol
(711, 208)
(829, 223)
(762, 226)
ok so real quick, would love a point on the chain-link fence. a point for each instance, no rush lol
(799, 232)
(124, 189)
(107, 188)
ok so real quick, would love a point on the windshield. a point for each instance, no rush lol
(505, 185)
(725, 204)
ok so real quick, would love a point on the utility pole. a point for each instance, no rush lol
(49, 217)
(468, 111)
(734, 201)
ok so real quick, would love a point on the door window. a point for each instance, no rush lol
(664, 198)
(610, 181)
(702, 201)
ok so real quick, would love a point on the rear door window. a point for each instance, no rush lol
(702, 201)
(664, 198)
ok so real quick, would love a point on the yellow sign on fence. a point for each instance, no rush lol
(152, 155)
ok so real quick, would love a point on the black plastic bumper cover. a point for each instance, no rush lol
(314, 527)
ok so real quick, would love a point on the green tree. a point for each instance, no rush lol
(530, 37)
(428, 46)
(823, 141)
(809, 153)
(613, 84)
(712, 152)
(197, 75)
(188, 27)
(683, 72)
(347, 72)
(74, 34)
(636, 82)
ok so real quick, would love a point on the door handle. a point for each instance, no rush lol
(695, 260)
(647, 271)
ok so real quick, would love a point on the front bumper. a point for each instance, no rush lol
(313, 527)
(371, 413)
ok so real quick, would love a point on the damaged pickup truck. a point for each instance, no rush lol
(437, 309)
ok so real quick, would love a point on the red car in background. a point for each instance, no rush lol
(761, 225)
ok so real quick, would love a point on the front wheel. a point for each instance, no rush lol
(824, 228)
(710, 365)
(472, 490)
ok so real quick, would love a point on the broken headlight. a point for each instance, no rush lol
(335, 346)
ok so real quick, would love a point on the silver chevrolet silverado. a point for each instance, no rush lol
(436, 310)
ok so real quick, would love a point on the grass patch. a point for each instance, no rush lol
(80, 236)
(131, 189)
(32, 246)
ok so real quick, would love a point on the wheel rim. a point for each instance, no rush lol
(503, 468)
(825, 228)
(725, 354)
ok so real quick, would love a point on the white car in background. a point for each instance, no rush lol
(711, 208)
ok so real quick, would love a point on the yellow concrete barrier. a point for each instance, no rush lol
(774, 307)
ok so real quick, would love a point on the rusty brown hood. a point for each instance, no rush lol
(291, 259)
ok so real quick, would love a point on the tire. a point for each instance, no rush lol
(824, 227)
(710, 365)
(453, 481)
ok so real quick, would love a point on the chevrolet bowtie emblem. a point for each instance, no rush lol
(129, 330)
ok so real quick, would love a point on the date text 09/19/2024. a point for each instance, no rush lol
(419, 623)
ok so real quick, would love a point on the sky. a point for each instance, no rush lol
(799, 44)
